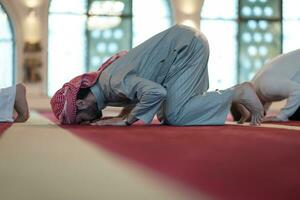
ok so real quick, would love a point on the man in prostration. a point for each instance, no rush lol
(165, 75)
(277, 80)
(13, 99)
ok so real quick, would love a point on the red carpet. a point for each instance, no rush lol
(3, 127)
(226, 162)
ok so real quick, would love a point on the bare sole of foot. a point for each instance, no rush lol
(21, 105)
(246, 98)
(240, 113)
(244, 113)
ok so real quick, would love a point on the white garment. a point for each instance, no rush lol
(7, 101)
(279, 79)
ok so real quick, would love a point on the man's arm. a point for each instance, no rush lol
(149, 94)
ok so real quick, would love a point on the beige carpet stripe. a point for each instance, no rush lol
(265, 125)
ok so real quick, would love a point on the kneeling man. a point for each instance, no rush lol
(277, 80)
(166, 75)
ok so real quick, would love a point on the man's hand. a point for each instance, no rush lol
(117, 121)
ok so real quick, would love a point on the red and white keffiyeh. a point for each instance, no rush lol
(63, 103)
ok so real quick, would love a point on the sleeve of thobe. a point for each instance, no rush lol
(149, 94)
(293, 102)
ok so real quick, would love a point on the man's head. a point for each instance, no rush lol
(87, 110)
(72, 103)
(75, 98)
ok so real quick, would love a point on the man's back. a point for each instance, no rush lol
(278, 80)
(152, 59)
(285, 66)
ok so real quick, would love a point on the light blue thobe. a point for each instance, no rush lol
(166, 74)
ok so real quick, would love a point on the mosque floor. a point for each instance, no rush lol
(43, 160)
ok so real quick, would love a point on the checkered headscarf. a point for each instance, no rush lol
(63, 102)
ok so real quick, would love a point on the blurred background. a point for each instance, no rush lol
(45, 43)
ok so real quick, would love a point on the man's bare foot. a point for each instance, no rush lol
(245, 114)
(246, 99)
(21, 105)
(240, 113)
